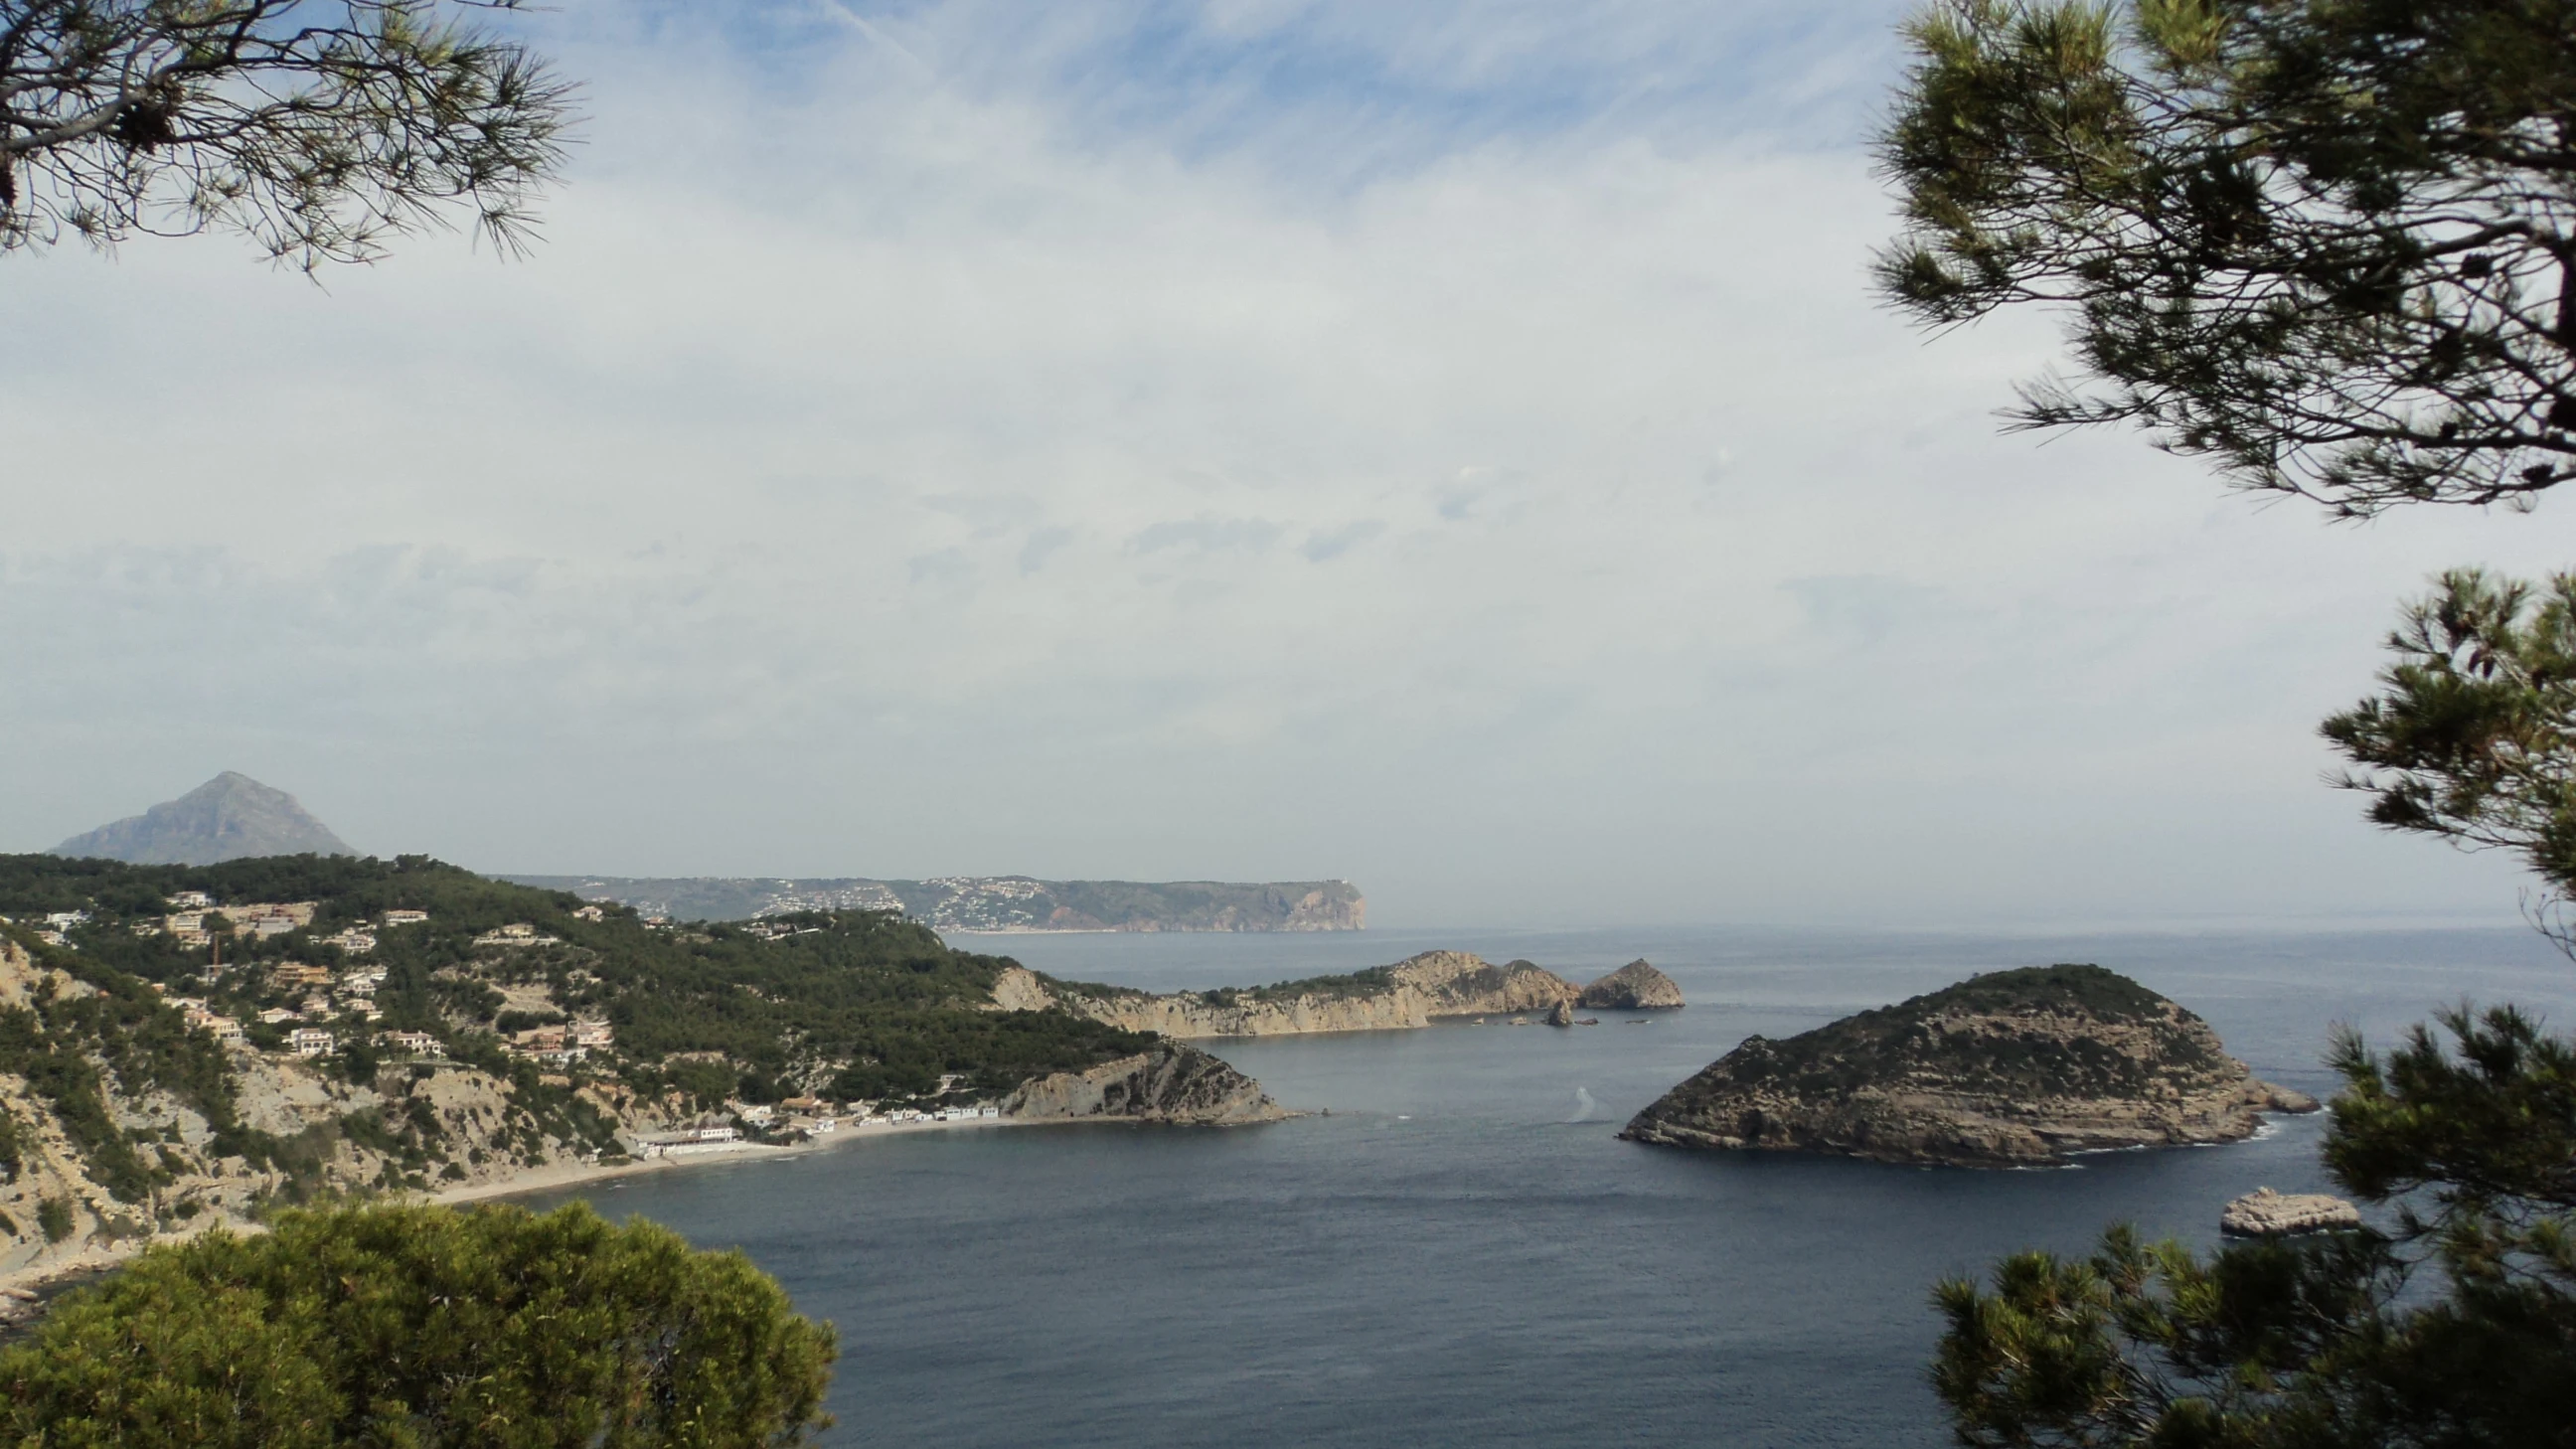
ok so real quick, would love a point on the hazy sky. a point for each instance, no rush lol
(1447, 446)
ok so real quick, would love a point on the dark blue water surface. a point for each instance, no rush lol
(1461, 1252)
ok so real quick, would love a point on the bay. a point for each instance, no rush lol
(1456, 1249)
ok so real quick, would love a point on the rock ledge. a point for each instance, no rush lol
(2264, 1213)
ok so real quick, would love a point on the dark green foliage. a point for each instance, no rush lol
(2472, 738)
(427, 1327)
(2320, 243)
(2456, 1329)
(319, 131)
(54, 1218)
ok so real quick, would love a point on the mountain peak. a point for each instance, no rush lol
(226, 818)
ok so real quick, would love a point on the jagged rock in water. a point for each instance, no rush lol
(2005, 1069)
(1169, 1083)
(1562, 1014)
(1633, 987)
(1411, 993)
(230, 817)
(2264, 1213)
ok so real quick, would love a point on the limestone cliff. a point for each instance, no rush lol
(1411, 993)
(1169, 1083)
(114, 1148)
(2005, 1069)
(1636, 986)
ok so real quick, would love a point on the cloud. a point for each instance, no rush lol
(1206, 535)
(1331, 543)
(913, 455)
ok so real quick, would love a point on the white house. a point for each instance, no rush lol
(309, 1041)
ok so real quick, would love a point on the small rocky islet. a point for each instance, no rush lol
(2008, 1069)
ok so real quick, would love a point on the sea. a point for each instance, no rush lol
(1454, 1248)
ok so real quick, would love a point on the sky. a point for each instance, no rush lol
(1451, 447)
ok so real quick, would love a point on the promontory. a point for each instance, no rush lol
(2007, 1069)
(1414, 992)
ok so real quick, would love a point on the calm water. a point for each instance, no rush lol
(1461, 1253)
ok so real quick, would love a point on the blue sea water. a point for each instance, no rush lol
(1462, 1252)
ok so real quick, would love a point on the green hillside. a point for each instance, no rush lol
(846, 1004)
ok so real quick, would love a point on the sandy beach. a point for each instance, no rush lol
(570, 1174)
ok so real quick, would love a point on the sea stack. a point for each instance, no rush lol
(1633, 987)
(2264, 1213)
(2008, 1069)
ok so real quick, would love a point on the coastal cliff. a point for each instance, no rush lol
(1411, 993)
(1009, 904)
(1168, 1083)
(2012, 1068)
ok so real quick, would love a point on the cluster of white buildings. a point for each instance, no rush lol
(563, 1045)
(708, 1137)
(517, 933)
(186, 922)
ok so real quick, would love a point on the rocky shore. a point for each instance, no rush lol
(1170, 1083)
(2009, 1069)
(2264, 1213)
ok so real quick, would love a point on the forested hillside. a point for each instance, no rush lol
(177, 1039)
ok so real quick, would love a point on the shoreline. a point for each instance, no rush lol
(26, 1291)
(571, 1174)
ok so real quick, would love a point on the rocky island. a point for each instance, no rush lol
(2264, 1213)
(1410, 994)
(2008, 1069)
(1636, 986)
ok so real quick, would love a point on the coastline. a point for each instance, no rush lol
(26, 1290)
(571, 1174)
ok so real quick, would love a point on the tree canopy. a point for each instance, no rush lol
(318, 128)
(2473, 736)
(426, 1327)
(2328, 246)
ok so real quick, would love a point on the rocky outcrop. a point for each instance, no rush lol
(1411, 993)
(2264, 1213)
(2007, 1069)
(1633, 987)
(1170, 1083)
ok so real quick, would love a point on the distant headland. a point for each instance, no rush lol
(997, 903)
(1412, 993)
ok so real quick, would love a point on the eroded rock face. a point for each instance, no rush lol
(2006, 1069)
(2264, 1213)
(1169, 1083)
(1633, 987)
(1411, 993)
